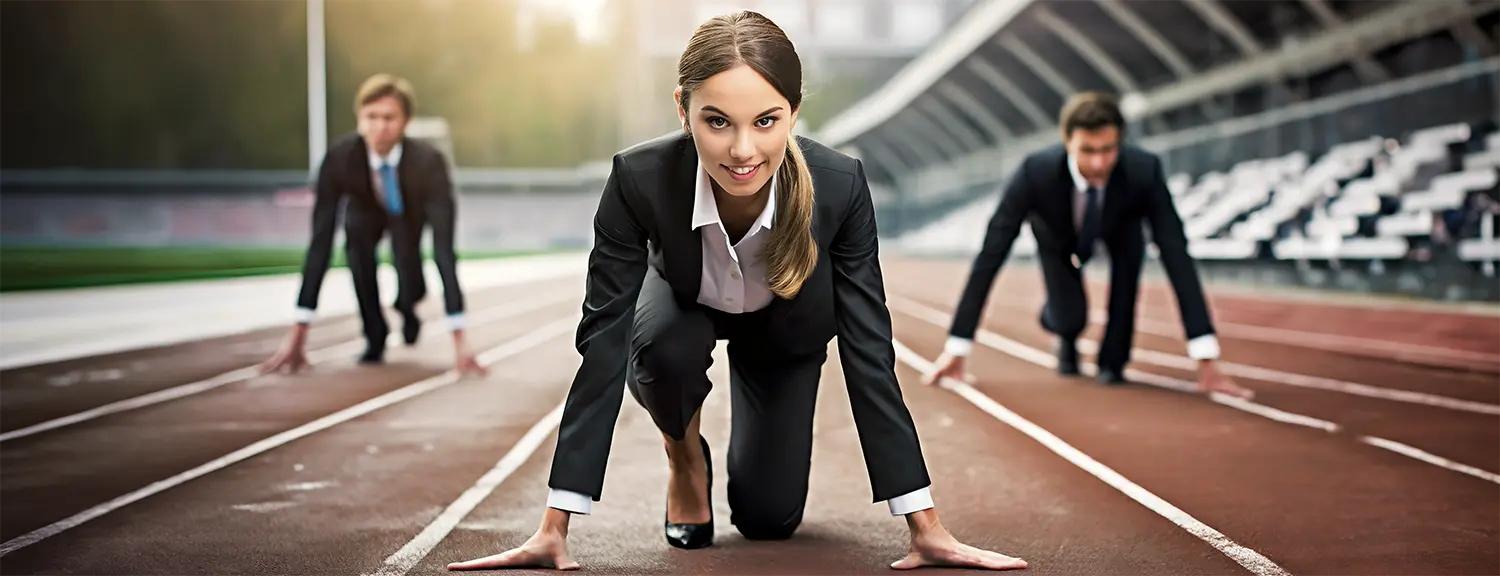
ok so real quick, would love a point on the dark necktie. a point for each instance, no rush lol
(1088, 232)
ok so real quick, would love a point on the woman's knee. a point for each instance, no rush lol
(767, 520)
(668, 370)
(676, 351)
(761, 527)
(668, 360)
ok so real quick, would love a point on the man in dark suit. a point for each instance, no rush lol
(383, 182)
(1088, 191)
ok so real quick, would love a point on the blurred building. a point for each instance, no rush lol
(849, 47)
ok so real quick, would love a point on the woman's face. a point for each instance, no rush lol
(740, 126)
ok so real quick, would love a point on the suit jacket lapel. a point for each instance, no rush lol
(1065, 205)
(682, 249)
(1115, 191)
(359, 174)
(405, 172)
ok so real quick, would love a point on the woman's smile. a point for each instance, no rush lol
(742, 173)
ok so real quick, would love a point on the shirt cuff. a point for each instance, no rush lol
(1205, 347)
(569, 501)
(958, 346)
(456, 321)
(303, 315)
(914, 501)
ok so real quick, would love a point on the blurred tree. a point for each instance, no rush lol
(162, 84)
(152, 84)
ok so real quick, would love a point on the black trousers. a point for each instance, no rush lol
(363, 237)
(1066, 311)
(772, 396)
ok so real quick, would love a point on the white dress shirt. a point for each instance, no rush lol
(306, 315)
(734, 281)
(1201, 348)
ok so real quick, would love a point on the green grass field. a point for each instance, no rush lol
(38, 268)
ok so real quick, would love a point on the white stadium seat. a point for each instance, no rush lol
(1227, 214)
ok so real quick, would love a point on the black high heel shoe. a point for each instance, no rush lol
(691, 536)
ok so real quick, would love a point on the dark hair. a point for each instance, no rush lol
(1090, 111)
(748, 38)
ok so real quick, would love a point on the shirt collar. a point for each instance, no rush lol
(1079, 184)
(706, 209)
(394, 157)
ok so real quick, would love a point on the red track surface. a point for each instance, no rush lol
(1313, 496)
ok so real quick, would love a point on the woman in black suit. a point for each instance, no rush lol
(716, 233)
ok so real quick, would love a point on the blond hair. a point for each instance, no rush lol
(382, 85)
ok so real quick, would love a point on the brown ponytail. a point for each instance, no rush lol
(791, 253)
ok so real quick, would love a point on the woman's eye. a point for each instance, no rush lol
(717, 122)
(766, 122)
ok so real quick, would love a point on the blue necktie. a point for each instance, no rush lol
(1088, 232)
(392, 188)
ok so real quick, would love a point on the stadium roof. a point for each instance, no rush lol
(1000, 75)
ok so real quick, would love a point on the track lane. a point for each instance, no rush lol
(1288, 365)
(1456, 337)
(316, 358)
(1369, 371)
(994, 488)
(1017, 303)
(1457, 435)
(1387, 513)
(1469, 335)
(41, 393)
(1312, 501)
(46, 478)
(336, 501)
(1463, 436)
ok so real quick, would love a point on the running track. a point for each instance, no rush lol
(1373, 447)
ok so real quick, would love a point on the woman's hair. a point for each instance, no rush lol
(749, 38)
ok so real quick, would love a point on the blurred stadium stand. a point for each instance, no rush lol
(1349, 144)
(503, 209)
(1316, 142)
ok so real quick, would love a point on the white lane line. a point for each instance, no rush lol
(1325, 341)
(1088, 346)
(511, 348)
(1006, 345)
(55, 325)
(403, 560)
(1430, 458)
(1040, 358)
(1246, 557)
(318, 356)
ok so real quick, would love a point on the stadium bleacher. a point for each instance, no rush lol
(1343, 145)
(1373, 199)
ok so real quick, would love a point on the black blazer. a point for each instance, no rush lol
(1041, 193)
(427, 199)
(645, 219)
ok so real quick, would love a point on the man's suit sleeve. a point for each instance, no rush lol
(1015, 203)
(326, 200)
(887, 435)
(442, 216)
(1172, 244)
(616, 270)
